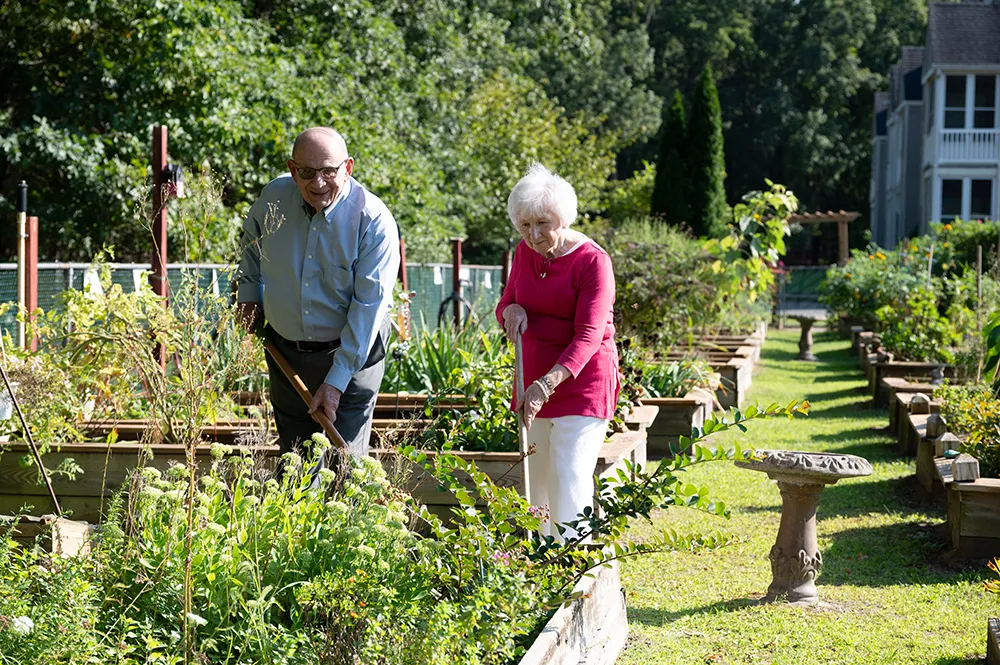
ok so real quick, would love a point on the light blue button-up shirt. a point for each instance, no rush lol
(322, 276)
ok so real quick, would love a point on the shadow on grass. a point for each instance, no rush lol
(960, 660)
(903, 553)
(892, 496)
(659, 617)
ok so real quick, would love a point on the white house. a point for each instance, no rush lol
(942, 139)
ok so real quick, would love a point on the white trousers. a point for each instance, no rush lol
(561, 471)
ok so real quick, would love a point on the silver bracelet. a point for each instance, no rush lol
(546, 386)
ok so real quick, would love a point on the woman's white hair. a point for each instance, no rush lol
(540, 193)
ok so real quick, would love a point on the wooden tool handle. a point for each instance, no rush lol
(522, 430)
(300, 387)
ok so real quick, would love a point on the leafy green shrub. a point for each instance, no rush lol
(427, 361)
(914, 330)
(677, 378)
(228, 569)
(974, 412)
(955, 244)
(870, 280)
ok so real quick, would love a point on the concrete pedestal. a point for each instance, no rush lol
(795, 557)
(806, 339)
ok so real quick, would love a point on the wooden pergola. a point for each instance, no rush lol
(841, 218)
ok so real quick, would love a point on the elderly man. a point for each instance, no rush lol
(320, 257)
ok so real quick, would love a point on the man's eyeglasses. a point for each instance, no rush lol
(328, 173)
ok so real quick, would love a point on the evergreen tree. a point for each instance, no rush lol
(671, 191)
(706, 160)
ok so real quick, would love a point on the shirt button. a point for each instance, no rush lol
(306, 284)
(310, 256)
(310, 336)
(314, 228)
(306, 312)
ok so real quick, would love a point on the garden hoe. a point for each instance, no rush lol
(522, 430)
(300, 387)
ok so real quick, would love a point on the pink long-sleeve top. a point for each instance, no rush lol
(569, 301)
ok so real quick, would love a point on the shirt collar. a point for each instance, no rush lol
(341, 195)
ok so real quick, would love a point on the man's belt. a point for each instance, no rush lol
(303, 346)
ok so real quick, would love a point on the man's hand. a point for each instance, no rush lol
(249, 314)
(515, 320)
(326, 398)
(531, 403)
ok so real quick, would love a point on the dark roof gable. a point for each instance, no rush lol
(962, 33)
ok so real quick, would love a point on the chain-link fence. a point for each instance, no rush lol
(431, 285)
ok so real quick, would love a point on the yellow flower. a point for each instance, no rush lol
(947, 244)
(880, 255)
(947, 227)
(871, 256)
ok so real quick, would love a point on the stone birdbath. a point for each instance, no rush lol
(795, 556)
(806, 322)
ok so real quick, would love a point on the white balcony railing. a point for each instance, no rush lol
(969, 145)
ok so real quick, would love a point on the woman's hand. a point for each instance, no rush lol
(531, 403)
(515, 321)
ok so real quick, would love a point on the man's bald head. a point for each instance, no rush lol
(316, 150)
(324, 138)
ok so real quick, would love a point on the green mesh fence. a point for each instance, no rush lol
(430, 284)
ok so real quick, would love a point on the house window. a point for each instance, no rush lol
(954, 102)
(982, 199)
(984, 110)
(951, 199)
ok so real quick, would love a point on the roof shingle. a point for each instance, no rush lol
(962, 33)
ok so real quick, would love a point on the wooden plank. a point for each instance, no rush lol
(993, 642)
(915, 431)
(926, 469)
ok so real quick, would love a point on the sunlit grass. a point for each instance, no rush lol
(890, 594)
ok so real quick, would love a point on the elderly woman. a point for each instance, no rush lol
(559, 296)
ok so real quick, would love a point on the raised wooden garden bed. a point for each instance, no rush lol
(736, 373)
(105, 468)
(904, 370)
(53, 534)
(973, 502)
(506, 469)
(675, 418)
(590, 630)
(974, 517)
(901, 393)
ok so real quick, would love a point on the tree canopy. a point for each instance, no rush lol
(444, 103)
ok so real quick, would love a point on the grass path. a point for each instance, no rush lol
(891, 595)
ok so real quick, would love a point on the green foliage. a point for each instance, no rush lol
(428, 360)
(973, 412)
(912, 328)
(418, 89)
(630, 198)
(678, 378)
(955, 244)
(226, 568)
(706, 160)
(672, 194)
(744, 258)
(870, 280)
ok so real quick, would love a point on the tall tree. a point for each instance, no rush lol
(706, 159)
(672, 188)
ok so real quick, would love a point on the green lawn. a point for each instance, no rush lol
(890, 594)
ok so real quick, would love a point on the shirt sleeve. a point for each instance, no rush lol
(374, 277)
(249, 285)
(594, 301)
(509, 295)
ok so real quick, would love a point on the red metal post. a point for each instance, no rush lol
(31, 268)
(456, 279)
(402, 263)
(158, 278)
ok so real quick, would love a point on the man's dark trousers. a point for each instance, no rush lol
(354, 415)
